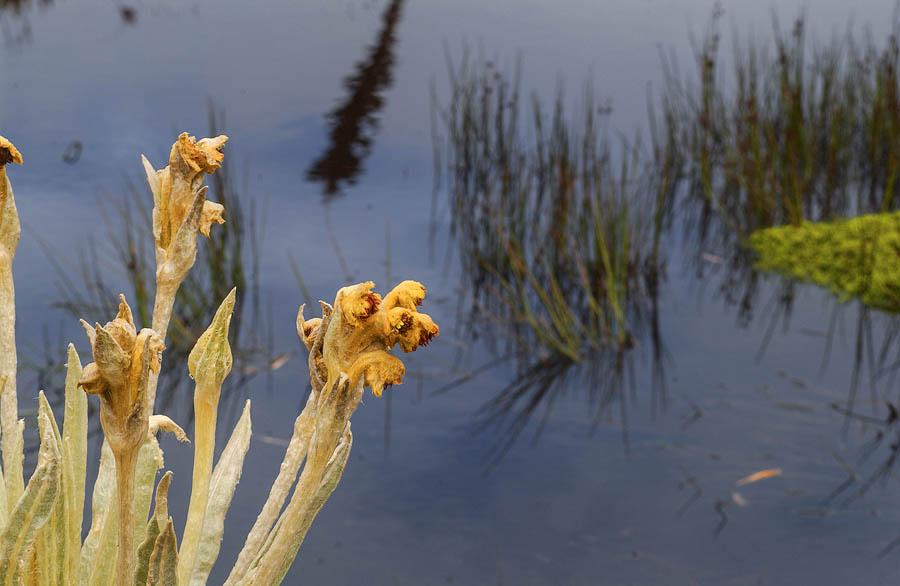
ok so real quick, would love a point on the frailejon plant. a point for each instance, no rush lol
(41, 522)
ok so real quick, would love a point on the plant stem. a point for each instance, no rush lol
(287, 474)
(204, 448)
(162, 314)
(126, 462)
(333, 414)
(163, 303)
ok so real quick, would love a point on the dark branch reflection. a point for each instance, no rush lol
(355, 121)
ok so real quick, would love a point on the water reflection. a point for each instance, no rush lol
(560, 229)
(806, 133)
(804, 136)
(355, 121)
(559, 244)
(15, 19)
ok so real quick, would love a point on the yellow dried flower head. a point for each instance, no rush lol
(190, 159)
(203, 156)
(180, 208)
(357, 336)
(123, 360)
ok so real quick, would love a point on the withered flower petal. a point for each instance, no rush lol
(91, 381)
(212, 213)
(202, 156)
(357, 302)
(419, 333)
(307, 329)
(110, 358)
(122, 327)
(408, 294)
(378, 369)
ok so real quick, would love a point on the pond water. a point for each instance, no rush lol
(641, 495)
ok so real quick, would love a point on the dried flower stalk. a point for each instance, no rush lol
(10, 427)
(348, 350)
(209, 363)
(180, 211)
(120, 375)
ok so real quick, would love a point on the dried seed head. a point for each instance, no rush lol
(119, 374)
(180, 209)
(192, 156)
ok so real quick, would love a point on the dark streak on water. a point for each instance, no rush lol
(355, 121)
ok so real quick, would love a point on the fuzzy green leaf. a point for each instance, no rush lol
(164, 559)
(150, 461)
(154, 527)
(221, 490)
(52, 544)
(74, 448)
(98, 554)
(34, 507)
(145, 550)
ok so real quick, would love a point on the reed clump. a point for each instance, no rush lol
(41, 522)
(559, 233)
(790, 130)
(555, 236)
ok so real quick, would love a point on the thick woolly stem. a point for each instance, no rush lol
(125, 558)
(162, 315)
(204, 446)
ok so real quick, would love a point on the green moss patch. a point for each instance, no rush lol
(853, 258)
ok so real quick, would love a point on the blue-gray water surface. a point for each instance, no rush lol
(419, 503)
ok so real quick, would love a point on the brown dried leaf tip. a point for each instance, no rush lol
(9, 153)
(119, 375)
(361, 330)
(10, 228)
